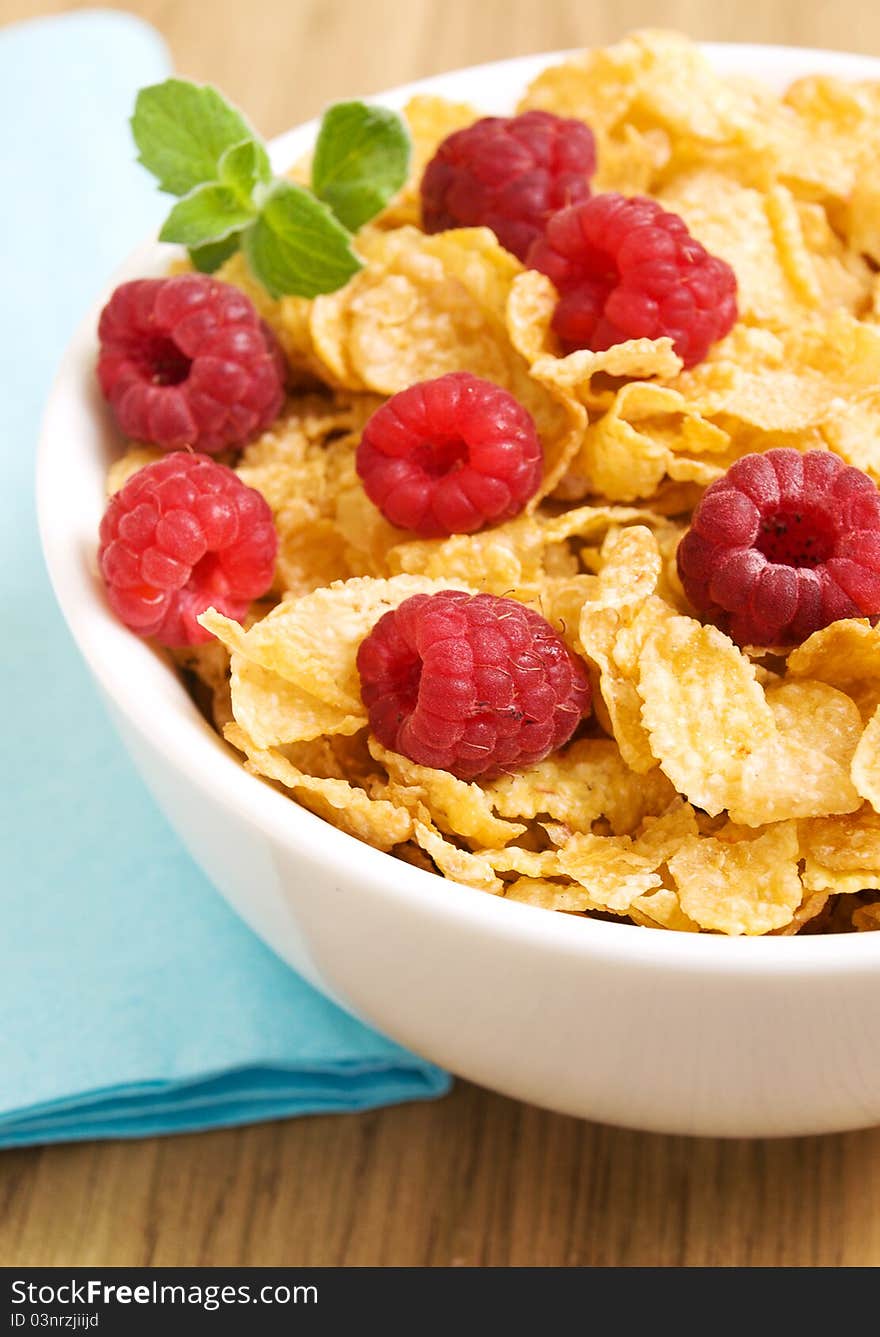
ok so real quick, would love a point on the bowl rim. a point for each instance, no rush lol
(194, 749)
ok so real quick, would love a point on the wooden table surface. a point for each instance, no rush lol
(475, 1178)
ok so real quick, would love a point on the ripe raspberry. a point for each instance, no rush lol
(627, 269)
(782, 545)
(509, 173)
(187, 361)
(185, 534)
(450, 456)
(471, 684)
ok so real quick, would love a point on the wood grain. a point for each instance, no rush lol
(474, 1179)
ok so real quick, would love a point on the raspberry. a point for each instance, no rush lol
(185, 534)
(187, 361)
(471, 684)
(509, 173)
(450, 456)
(782, 545)
(627, 269)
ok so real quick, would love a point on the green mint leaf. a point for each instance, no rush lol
(208, 213)
(211, 256)
(361, 160)
(182, 131)
(243, 167)
(296, 246)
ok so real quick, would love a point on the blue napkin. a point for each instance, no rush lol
(132, 1001)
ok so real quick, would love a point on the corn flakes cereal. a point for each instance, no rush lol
(762, 756)
(846, 655)
(842, 854)
(473, 870)
(588, 781)
(457, 807)
(866, 762)
(566, 897)
(375, 821)
(662, 909)
(617, 870)
(713, 789)
(748, 886)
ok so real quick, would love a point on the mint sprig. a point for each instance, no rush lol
(182, 130)
(296, 240)
(361, 160)
(287, 247)
(208, 213)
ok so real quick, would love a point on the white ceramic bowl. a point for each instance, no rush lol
(663, 1031)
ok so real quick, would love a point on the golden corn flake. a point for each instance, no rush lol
(502, 560)
(749, 886)
(312, 552)
(274, 712)
(597, 521)
(303, 466)
(845, 654)
(527, 863)
(661, 834)
(842, 854)
(725, 744)
(863, 217)
(368, 536)
(734, 222)
(806, 770)
(308, 453)
(703, 710)
(636, 359)
(786, 381)
(841, 121)
(473, 870)
(781, 275)
(404, 318)
(854, 434)
(531, 304)
(811, 907)
(619, 461)
(457, 807)
(374, 821)
(610, 870)
(631, 566)
(653, 80)
(586, 782)
(617, 870)
(866, 762)
(662, 909)
(564, 897)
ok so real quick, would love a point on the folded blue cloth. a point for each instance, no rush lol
(132, 1001)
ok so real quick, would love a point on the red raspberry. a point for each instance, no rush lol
(187, 361)
(782, 545)
(450, 456)
(509, 173)
(627, 269)
(470, 683)
(185, 534)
